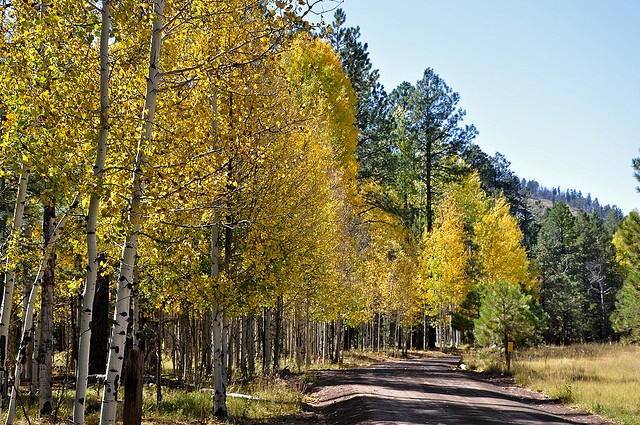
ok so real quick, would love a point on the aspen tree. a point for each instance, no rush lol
(10, 271)
(444, 267)
(128, 259)
(82, 368)
(499, 253)
(27, 328)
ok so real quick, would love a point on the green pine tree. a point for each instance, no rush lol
(506, 314)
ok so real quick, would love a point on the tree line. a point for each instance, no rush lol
(572, 197)
(220, 186)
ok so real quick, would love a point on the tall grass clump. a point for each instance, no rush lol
(604, 379)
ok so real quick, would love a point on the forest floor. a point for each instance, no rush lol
(430, 390)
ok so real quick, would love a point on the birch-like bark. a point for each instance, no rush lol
(10, 273)
(45, 348)
(129, 251)
(217, 335)
(219, 378)
(27, 328)
(91, 270)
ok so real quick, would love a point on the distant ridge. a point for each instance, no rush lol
(541, 198)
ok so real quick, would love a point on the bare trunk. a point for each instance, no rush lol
(243, 349)
(132, 411)
(30, 371)
(35, 347)
(10, 274)
(219, 374)
(45, 350)
(206, 365)
(27, 328)
(266, 345)
(251, 344)
(307, 339)
(132, 407)
(338, 341)
(129, 251)
(99, 347)
(159, 361)
(276, 338)
(227, 345)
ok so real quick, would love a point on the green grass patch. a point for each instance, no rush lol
(603, 379)
(278, 399)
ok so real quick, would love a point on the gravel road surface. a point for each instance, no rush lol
(430, 391)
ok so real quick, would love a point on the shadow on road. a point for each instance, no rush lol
(429, 391)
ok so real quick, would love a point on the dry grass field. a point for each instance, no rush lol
(604, 379)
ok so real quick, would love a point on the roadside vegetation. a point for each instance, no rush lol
(262, 400)
(603, 379)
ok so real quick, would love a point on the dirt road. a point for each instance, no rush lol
(430, 391)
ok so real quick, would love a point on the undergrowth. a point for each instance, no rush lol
(604, 379)
(275, 399)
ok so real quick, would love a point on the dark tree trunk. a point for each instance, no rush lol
(338, 340)
(159, 360)
(45, 350)
(276, 338)
(99, 348)
(132, 409)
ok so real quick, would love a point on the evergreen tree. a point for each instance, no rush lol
(428, 140)
(613, 218)
(372, 112)
(506, 315)
(557, 257)
(600, 275)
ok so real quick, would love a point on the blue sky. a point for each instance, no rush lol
(554, 85)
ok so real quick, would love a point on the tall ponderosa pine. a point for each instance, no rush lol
(428, 141)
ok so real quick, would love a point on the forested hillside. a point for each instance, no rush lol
(572, 197)
(234, 188)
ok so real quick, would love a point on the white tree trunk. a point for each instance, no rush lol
(129, 251)
(217, 333)
(219, 372)
(86, 311)
(10, 273)
(27, 328)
